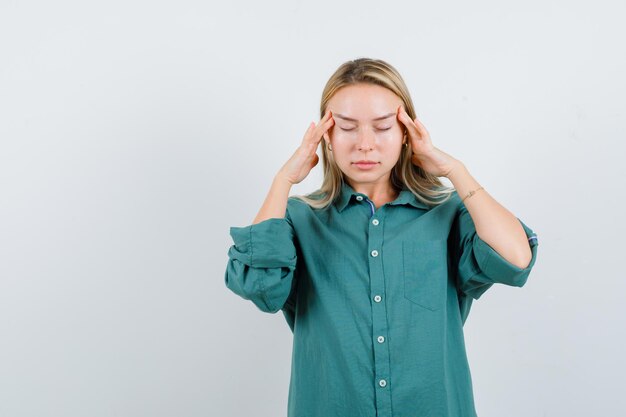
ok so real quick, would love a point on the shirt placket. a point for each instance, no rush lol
(380, 329)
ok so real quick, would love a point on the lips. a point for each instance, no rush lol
(365, 165)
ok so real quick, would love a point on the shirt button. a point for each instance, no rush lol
(359, 197)
(382, 383)
(374, 253)
(377, 298)
(381, 339)
(375, 222)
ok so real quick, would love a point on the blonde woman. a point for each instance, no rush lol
(375, 271)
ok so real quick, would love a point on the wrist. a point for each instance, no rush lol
(457, 168)
(281, 181)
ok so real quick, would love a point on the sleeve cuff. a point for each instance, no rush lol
(493, 265)
(267, 244)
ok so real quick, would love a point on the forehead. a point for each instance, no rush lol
(363, 102)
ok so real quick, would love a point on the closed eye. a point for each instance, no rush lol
(348, 130)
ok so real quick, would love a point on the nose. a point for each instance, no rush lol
(365, 140)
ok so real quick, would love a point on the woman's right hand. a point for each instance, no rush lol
(305, 158)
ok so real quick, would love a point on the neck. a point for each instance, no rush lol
(376, 191)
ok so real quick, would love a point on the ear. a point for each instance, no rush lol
(326, 138)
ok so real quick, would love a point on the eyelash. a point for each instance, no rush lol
(348, 130)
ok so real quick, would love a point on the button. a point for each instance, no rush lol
(375, 222)
(381, 339)
(382, 383)
(377, 298)
(359, 197)
(374, 253)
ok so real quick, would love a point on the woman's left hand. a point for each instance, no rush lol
(425, 155)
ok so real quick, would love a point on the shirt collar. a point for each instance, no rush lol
(347, 194)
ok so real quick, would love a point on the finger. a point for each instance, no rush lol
(421, 127)
(314, 160)
(325, 117)
(404, 117)
(306, 151)
(305, 138)
(415, 127)
(325, 124)
(327, 120)
(410, 125)
(310, 133)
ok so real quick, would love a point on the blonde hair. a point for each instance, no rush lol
(426, 187)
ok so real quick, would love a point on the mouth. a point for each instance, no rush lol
(365, 164)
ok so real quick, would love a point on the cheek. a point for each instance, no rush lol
(390, 136)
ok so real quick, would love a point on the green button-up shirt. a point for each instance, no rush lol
(376, 300)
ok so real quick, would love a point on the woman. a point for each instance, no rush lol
(376, 271)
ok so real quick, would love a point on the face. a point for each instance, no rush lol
(366, 128)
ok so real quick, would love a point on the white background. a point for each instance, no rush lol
(133, 134)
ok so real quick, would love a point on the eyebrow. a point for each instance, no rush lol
(355, 120)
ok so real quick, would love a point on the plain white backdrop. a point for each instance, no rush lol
(133, 134)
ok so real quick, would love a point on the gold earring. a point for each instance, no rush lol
(330, 148)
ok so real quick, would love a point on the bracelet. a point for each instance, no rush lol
(471, 193)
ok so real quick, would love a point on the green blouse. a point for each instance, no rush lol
(376, 300)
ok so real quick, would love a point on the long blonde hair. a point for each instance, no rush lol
(426, 187)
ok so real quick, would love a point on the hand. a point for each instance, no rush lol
(305, 158)
(425, 155)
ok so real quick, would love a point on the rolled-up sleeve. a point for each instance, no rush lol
(479, 265)
(262, 263)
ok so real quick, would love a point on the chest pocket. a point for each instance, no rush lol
(425, 272)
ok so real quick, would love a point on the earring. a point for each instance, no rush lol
(330, 148)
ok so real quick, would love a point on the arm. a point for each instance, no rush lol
(488, 243)
(495, 225)
(262, 262)
(275, 203)
(478, 263)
